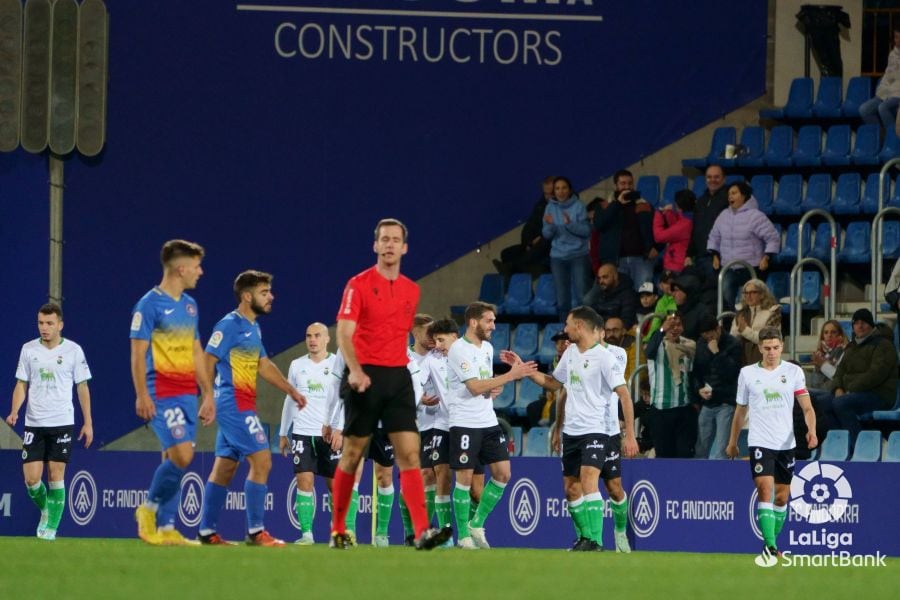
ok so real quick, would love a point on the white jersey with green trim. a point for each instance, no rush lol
(437, 373)
(770, 397)
(468, 361)
(312, 379)
(50, 374)
(590, 378)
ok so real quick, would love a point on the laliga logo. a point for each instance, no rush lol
(644, 514)
(524, 502)
(82, 498)
(191, 499)
(830, 491)
(291, 499)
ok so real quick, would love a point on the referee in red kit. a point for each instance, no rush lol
(373, 326)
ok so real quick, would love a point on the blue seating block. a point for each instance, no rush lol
(837, 146)
(856, 243)
(868, 447)
(859, 89)
(781, 145)
(867, 145)
(787, 198)
(800, 99)
(547, 351)
(753, 139)
(828, 98)
(763, 189)
(648, 186)
(869, 202)
(674, 183)
(537, 442)
(847, 195)
(527, 392)
(891, 148)
(544, 302)
(500, 340)
(722, 136)
(822, 244)
(491, 289)
(788, 254)
(836, 446)
(525, 341)
(892, 453)
(517, 440)
(507, 398)
(818, 192)
(518, 297)
(808, 152)
(890, 240)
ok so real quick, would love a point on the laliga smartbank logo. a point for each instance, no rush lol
(820, 495)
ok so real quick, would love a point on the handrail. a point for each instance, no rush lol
(827, 289)
(795, 298)
(881, 174)
(634, 382)
(724, 269)
(876, 241)
(638, 338)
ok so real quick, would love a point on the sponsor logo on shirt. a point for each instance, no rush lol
(216, 339)
(136, 321)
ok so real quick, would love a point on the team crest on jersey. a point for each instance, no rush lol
(758, 468)
(463, 458)
(178, 432)
(136, 321)
(464, 366)
(261, 437)
(216, 339)
(191, 310)
(586, 363)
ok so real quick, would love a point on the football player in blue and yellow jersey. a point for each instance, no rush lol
(166, 366)
(236, 354)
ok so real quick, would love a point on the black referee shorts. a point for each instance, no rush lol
(390, 399)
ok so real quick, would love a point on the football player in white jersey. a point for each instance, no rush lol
(301, 430)
(767, 390)
(48, 367)
(594, 380)
(475, 434)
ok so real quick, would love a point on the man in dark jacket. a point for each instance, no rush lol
(866, 377)
(714, 376)
(686, 292)
(707, 208)
(613, 295)
(532, 255)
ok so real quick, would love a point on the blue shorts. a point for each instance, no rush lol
(176, 420)
(240, 433)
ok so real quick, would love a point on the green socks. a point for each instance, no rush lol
(429, 502)
(577, 510)
(594, 509)
(473, 507)
(461, 502)
(350, 523)
(385, 499)
(765, 516)
(442, 510)
(38, 494)
(780, 513)
(303, 506)
(620, 513)
(493, 491)
(404, 516)
(56, 502)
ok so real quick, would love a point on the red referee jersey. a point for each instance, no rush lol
(383, 311)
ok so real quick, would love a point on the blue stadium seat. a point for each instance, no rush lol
(787, 198)
(507, 398)
(500, 340)
(648, 186)
(517, 439)
(811, 290)
(537, 442)
(674, 183)
(518, 296)
(547, 350)
(836, 446)
(729, 179)
(868, 447)
(808, 152)
(837, 146)
(867, 145)
(544, 302)
(870, 194)
(892, 453)
(890, 240)
(722, 136)
(891, 148)
(788, 254)
(525, 341)
(527, 392)
(847, 195)
(818, 192)
(781, 145)
(828, 98)
(859, 89)
(699, 185)
(800, 99)
(763, 188)
(491, 289)
(779, 283)
(753, 139)
(855, 248)
(822, 244)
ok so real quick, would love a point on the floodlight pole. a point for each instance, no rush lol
(56, 228)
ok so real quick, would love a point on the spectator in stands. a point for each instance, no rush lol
(532, 254)
(714, 376)
(866, 376)
(616, 334)
(686, 293)
(882, 108)
(673, 425)
(672, 226)
(892, 289)
(613, 295)
(647, 297)
(664, 305)
(829, 351)
(708, 206)
(759, 309)
(742, 232)
(594, 244)
(625, 226)
(567, 228)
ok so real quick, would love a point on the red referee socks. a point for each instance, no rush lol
(413, 491)
(342, 490)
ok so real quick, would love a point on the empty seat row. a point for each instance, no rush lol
(827, 104)
(836, 447)
(852, 244)
(846, 196)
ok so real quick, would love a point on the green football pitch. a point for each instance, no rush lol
(107, 568)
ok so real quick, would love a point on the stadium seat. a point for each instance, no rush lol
(836, 446)
(743, 447)
(729, 179)
(818, 192)
(544, 302)
(892, 452)
(856, 248)
(837, 146)
(753, 139)
(547, 351)
(504, 402)
(888, 415)
(491, 289)
(891, 148)
(828, 98)
(525, 341)
(648, 186)
(722, 136)
(867, 145)
(890, 239)
(537, 442)
(859, 89)
(799, 103)
(822, 244)
(517, 440)
(868, 447)
(788, 254)
(847, 195)
(500, 340)
(781, 145)
(699, 185)
(517, 300)
(527, 392)
(763, 188)
(811, 290)
(787, 198)
(808, 152)
(674, 183)
(870, 194)
(779, 283)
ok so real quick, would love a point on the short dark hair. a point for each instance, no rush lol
(588, 315)
(478, 308)
(562, 178)
(178, 248)
(443, 326)
(248, 280)
(389, 223)
(685, 200)
(422, 319)
(51, 308)
(743, 187)
(770, 333)
(621, 173)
